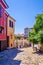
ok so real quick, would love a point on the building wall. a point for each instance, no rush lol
(11, 41)
(3, 21)
(3, 45)
(10, 33)
(26, 32)
(3, 24)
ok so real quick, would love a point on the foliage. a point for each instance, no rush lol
(41, 36)
(39, 22)
(33, 37)
(16, 38)
(36, 35)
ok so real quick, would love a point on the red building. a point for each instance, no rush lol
(3, 25)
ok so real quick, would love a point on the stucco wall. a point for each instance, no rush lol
(10, 31)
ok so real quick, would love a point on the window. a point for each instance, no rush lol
(10, 23)
(1, 31)
(0, 11)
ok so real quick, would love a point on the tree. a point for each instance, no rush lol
(36, 36)
(16, 38)
(33, 37)
(40, 36)
(39, 23)
(38, 27)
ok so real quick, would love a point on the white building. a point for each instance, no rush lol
(26, 32)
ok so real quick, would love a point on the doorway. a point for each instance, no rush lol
(7, 41)
(0, 45)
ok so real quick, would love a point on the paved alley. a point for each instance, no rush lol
(23, 56)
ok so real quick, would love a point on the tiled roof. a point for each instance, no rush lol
(19, 35)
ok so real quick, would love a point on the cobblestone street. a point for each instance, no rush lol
(28, 57)
(23, 56)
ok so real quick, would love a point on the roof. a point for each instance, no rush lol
(19, 35)
(30, 28)
(6, 13)
(5, 4)
(26, 28)
(11, 18)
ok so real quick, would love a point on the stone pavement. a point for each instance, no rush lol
(23, 56)
(28, 57)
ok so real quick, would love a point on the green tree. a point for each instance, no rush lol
(33, 37)
(16, 38)
(40, 36)
(36, 36)
(39, 23)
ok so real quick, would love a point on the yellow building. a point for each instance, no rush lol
(10, 32)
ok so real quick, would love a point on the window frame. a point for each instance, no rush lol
(10, 23)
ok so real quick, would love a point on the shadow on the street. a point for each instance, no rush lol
(10, 62)
(12, 53)
(38, 52)
(8, 58)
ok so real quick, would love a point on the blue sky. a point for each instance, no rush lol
(24, 11)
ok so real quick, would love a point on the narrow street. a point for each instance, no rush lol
(28, 57)
(24, 56)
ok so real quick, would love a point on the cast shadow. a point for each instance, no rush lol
(9, 55)
(38, 52)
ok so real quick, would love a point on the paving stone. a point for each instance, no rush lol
(27, 57)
